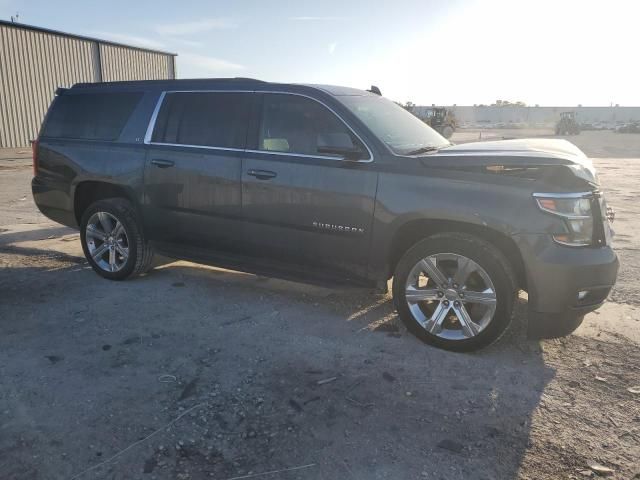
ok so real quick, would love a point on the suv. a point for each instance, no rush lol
(328, 184)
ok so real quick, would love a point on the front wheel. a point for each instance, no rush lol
(447, 131)
(113, 241)
(455, 291)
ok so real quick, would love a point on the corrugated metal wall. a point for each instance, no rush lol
(34, 63)
(120, 63)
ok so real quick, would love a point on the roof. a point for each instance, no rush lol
(79, 37)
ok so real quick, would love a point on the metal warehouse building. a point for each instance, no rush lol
(35, 61)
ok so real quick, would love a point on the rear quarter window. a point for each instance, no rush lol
(90, 116)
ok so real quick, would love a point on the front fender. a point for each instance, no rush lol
(403, 199)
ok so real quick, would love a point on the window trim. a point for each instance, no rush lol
(154, 117)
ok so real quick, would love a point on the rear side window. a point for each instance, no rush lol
(91, 116)
(296, 124)
(201, 118)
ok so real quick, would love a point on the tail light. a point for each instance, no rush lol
(34, 152)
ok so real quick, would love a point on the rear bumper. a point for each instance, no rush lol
(557, 274)
(53, 203)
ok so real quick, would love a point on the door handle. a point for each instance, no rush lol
(262, 174)
(162, 163)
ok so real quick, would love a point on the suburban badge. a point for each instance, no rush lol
(337, 228)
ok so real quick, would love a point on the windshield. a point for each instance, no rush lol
(400, 130)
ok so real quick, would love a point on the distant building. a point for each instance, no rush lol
(520, 116)
(35, 61)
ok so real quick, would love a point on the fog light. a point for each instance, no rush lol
(592, 296)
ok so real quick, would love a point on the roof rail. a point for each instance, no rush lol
(249, 78)
(166, 81)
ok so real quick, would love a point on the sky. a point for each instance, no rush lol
(464, 52)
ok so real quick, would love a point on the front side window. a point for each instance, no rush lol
(300, 125)
(212, 119)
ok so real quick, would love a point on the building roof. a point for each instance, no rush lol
(79, 37)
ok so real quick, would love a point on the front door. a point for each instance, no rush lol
(193, 169)
(302, 201)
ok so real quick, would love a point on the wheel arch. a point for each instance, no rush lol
(411, 232)
(87, 192)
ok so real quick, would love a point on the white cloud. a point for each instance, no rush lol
(332, 47)
(315, 19)
(130, 39)
(189, 43)
(197, 26)
(202, 65)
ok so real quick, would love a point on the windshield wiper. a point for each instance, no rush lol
(425, 149)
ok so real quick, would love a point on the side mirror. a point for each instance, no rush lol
(348, 153)
(341, 144)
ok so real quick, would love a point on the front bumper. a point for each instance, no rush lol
(557, 274)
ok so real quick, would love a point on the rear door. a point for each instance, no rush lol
(193, 169)
(301, 203)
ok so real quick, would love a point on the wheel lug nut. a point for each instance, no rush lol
(446, 303)
(455, 285)
(440, 294)
(457, 304)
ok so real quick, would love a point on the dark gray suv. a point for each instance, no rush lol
(333, 185)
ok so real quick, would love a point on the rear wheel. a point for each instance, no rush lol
(447, 131)
(455, 291)
(113, 241)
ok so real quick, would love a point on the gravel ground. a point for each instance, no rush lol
(192, 372)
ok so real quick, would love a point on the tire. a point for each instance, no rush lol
(496, 272)
(128, 239)
(552, 325)
(447, 131)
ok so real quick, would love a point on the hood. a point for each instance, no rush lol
(536, 147)
(526, 152)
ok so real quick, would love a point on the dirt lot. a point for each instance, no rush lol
(192, 372)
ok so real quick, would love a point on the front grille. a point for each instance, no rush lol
(599, 235)
(610, 214)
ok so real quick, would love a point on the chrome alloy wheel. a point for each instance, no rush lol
(107, 241)
(450, 296)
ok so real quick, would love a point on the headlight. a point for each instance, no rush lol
(575, 209)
